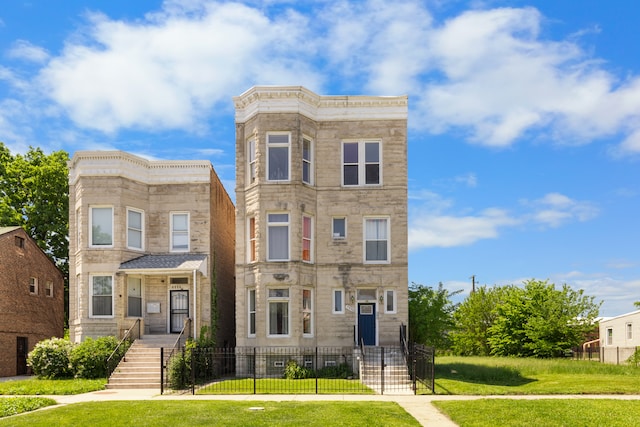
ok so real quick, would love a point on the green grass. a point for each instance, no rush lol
(283, 386)
(35, 386)
(542, 412)
(505, 376)
(17, 405)
(218, 413)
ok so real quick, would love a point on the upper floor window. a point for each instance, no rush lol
(252, 239)
(135, 229)
(339, 227)
(101, 224)
(48, 289)
(278, 156)
(307, 238)
(307, 165)
(629, 328)
(101, 296)
(33, 285)
(307, 312)
(361, 163)
(19, 241)
(376, 240)
(251, 160)
(180, 232)
(278, 237)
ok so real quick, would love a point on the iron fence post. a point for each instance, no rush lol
(255, 368)
(161, 370)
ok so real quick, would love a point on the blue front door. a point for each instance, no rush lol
(367, 323)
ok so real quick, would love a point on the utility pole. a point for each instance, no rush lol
(473, 283)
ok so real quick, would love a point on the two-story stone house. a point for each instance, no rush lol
(31, 299)
(321, 218)
(150, 240)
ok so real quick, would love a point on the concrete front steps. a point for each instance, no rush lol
(396, 375)
(140, 366)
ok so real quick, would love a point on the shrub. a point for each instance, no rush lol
(293, 371)
(89, 359)
(180, 367)
(342, 371)
(634, 359)
(49, 359)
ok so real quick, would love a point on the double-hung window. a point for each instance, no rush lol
(361, 163)
(48, 289)
(251, 160)
(307, 238)
(179, 232)
(135, 229)
(307, 312)
(376, 240)
(307, 165)
(339, 228)
(278, 324)
(278, 156)
(134, 297)
(101, 296)
(252, 239)
(101, 225)
(278, 236)
(629, 329)
(338, 301)
(33, 285)
(390, 301)
(252, 313)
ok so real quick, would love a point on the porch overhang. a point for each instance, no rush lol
(165, 264)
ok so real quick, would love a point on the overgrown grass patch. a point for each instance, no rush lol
(504, 376)
(542, 412)
(285, 386)
(17, 405)
(36, 387)
(219, 413)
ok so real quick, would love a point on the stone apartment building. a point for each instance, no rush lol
(31, 299)
(150, 240)
(321, 218)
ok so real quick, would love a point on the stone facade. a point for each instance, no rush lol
(338, 224)
(166, 252)
(31, 299)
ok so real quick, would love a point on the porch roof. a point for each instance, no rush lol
(153, 264)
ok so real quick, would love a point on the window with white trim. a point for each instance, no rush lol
(278, 156)
(361, 163)
(33, 286)
(101, 296)
(338, 301)
(101, 225)
(629, 329)
(251, 160)
(135, 229)
(278, 237)
(278, 321)
(179, 232)
(339, 228)
(48, 289)
(252, 313)
(609, 336)
(134, 296)
(307, 312)
(307, 238)
(376, 240)
(252, 255)
(390, 301)
(307, 164)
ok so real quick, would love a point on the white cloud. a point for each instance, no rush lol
(555, 209)
(23, 49)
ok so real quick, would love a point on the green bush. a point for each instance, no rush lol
(49, 359)
(634, 359)
(293, 371)
(89, 359)
(180, 368)
(342, 371)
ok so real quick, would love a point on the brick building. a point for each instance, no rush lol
(151, 241)
(321, 224)
(31, 299)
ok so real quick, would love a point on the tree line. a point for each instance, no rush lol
(537, 319)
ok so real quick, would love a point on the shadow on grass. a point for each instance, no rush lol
(479, 374)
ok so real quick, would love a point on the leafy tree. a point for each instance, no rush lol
(473, 318)
(540, 320)
(34, 193)
(431, 315)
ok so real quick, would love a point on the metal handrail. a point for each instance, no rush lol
(187, 327)
(115, 351)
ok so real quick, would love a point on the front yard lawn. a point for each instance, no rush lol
(36, 387)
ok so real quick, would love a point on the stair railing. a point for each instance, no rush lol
(111, 360)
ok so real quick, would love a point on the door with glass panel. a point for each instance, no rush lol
(179, 310)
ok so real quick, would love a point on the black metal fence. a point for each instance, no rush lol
(299, 370)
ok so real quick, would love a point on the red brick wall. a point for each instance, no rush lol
(23, 314)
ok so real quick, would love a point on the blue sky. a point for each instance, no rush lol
(524, 139)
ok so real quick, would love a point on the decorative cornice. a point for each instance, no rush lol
(297, 99)
(119, 163)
